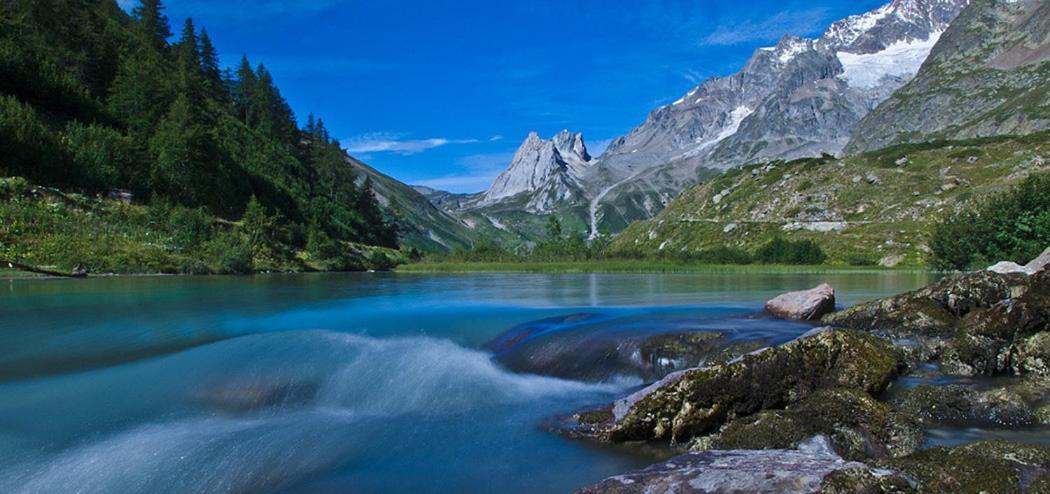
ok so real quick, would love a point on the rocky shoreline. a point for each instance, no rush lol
(848, 406)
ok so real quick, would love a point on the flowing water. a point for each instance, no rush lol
(330, 383)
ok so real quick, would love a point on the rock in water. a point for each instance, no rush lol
(766, 471)
(805, 305)
(697, 402)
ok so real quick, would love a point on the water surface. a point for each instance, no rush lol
(330, 383)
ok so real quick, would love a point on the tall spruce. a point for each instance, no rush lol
(209, 63)
(152, 23)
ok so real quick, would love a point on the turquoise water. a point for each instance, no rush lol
(330, 383)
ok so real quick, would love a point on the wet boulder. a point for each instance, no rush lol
(592, 348)
(988, 466)
(750, 471)
(805, 305)
(935, 310)
(979, 323)
(697, 402)
(858, 427)
(965, 406)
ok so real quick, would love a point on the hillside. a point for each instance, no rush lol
(868, 209)
(988, 75)
(96, 102)
(423, 225)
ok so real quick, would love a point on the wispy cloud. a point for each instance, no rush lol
(393, 143)
(479, 171)
(768, 29)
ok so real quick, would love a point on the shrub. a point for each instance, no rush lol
(230, 252)
(1011, 226)
(781, 251)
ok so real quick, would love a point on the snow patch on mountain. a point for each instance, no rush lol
(899, 60)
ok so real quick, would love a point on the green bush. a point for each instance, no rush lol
(781, 251)
(231, 252)
(105, 157)
(1012, 226)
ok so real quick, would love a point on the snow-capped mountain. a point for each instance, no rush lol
(799, 98)
(989, 75)
(802, 97)
(548, 171)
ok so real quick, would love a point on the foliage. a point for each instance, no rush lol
(1011, 226)
(781, 251)
(93, 99)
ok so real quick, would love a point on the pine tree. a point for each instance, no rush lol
(187, 59)
(140, 94)
(244, 92)
(209, 63)
(152, 23)
(186, 159)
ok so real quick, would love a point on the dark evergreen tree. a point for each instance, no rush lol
(209, 63)
(244, 89)
(140, 94)
(152, 23)
(185, 158)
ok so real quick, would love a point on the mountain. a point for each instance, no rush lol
(548, 171)
(874, 208)
(423, 225)
(543, 179)
(800, 98)
(989, 75)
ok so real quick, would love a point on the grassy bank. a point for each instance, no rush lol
(50, 229)
(627, 266)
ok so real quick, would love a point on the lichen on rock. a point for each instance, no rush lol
(858, 426)
(698, 401)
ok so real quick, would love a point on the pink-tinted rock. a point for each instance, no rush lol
(806, 305)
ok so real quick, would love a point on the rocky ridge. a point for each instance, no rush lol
(989, 75)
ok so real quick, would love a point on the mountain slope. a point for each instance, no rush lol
(800, 98)
(873, 208)
(424, 226)
(989, 75)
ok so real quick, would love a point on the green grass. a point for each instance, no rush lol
(628, 266)
(48, 228)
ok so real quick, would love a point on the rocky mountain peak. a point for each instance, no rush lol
(548, 170)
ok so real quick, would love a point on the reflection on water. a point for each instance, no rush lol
(327, 383)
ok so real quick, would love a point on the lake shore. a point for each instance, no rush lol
(638, 266)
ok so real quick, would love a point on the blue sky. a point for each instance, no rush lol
(441, 93)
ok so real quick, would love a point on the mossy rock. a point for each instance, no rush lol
(865, 481)
(983, 467)
(859, 427)
(960, 405)
(695, 402)
(935, 310)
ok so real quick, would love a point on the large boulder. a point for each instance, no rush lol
(758, 472)
(960, 405)
(805, 305)
(935, 310)
(858, 426)
(595, 348)
(698, 401)
(990, 466)
(980, 323)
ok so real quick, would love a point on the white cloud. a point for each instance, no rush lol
(392, 143)
(768, 29)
